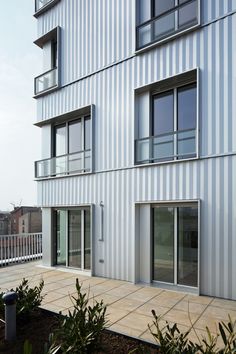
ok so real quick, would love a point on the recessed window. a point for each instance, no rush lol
(172, 125)
(159, 19)
(43, 5)
(175, 244)
(50, 79)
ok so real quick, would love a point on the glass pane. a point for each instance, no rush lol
(187, 107)
(144, 35)
(75, 136)
(188, 15)
(75, 162)
(163, 6)
(163, 113)
(60, 140)
(46, 81)
(87, 245)
(87, 133)
(87, 161)
(163, 232)
(187, 144)
(142, 150)
(163, 147)
(74, 230)
(164, 26)
(188, 246)
(59, 165)
(60, 216)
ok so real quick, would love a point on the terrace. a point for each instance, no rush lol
(129, 305)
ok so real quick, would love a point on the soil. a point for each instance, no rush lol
(42, 323)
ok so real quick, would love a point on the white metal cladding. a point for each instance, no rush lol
(112, 92)
(102, 32)
(210, 180)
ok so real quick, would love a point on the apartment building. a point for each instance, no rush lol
(136, 105)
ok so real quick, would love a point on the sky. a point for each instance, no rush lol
(20, 62)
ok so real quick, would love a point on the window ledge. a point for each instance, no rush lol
(150, 164)
(165, 40)
(76, 174)
(45, 8)
(46, 92)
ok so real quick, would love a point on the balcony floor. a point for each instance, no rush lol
(129, 305)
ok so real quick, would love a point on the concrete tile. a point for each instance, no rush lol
(181, 317)
(219, 313)
(70, 289)
(211, 323)
(147, 336)
(127, 304)
(107, 299)
(224, 304)
(190, 307)
(114, 314)
(64, 302)
(125, 330)
(205, 300)
(144, 294)
(52, 307)
(147, 308)
(120, 291)
(136, 321)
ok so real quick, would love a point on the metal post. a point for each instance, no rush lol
(10, 315)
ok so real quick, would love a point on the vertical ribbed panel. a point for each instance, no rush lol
(96, 33)
(209, 180)
(112, 93)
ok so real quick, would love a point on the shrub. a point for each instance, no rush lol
(172, 341)
(28, 298)
(79, 332)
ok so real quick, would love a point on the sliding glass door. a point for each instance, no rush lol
(73, 238)
(175, 244)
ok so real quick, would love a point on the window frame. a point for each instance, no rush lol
(178, 30)
(44, 8)
(175, 204)
(53, 36)
(177, 81)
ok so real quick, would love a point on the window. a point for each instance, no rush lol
(43, 5)
(72, 146)
(172, 126)
(50, 79)
(73, 238)
(175, 244)
(158, 19)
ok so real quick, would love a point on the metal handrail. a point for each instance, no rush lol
(46, 72)
(72, 153)
(166, 134)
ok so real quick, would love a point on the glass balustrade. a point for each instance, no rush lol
(165, 147)
(78, 162)
(46, 81)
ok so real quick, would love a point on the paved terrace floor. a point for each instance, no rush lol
(129, 306)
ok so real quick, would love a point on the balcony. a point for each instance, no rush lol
(43, 5)
(167, 147)
(78, 162)
(46, 81)
(170, 23)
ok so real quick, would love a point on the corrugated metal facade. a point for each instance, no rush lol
(97, 33)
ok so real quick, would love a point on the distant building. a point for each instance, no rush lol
(4, 222)
(26, 219)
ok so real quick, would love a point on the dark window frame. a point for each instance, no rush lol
(176, 32)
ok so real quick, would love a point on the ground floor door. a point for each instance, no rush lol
(72, 235)
(175, 244)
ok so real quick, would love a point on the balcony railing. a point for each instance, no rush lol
(46, 81)
(169, 23)
(165, 147)
(20, 248)
(78, 162)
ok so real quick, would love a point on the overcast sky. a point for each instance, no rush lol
(19, 139)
